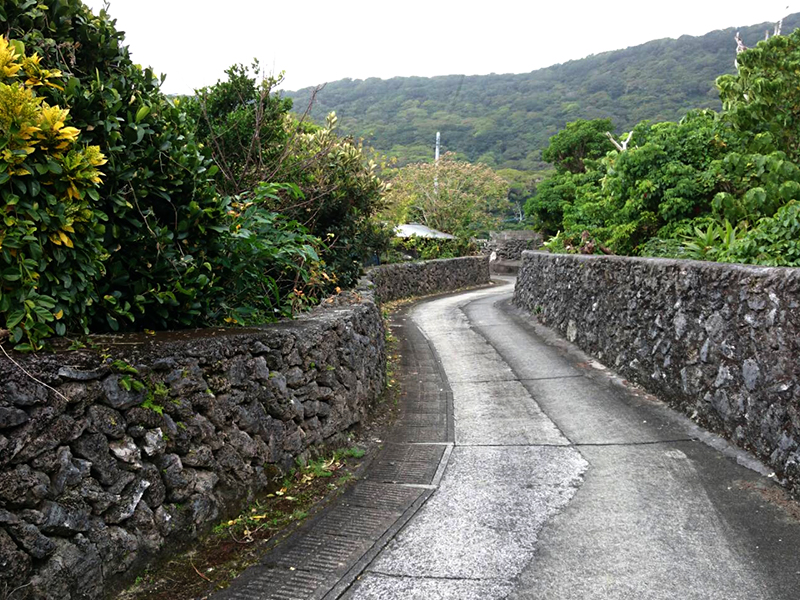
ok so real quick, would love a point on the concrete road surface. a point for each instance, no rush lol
(561, 483)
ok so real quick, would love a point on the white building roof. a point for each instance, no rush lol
(411, 229)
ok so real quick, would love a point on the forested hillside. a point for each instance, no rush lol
(505, 120)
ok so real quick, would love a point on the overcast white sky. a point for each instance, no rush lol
(194, 41)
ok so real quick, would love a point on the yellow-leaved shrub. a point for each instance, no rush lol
(50, 240)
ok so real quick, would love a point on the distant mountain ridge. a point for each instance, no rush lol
(506, 120)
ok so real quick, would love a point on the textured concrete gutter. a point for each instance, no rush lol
(325, 556)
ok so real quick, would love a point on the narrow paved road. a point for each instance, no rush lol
(562, 484)
(521, 469)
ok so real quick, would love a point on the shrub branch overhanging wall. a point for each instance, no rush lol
(94, 485)
(720, 342)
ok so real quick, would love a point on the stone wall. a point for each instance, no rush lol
(145, 442)
(509, 245)
(402, 280)
(720, 342)
(98, 477)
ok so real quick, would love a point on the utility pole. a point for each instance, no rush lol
(436, 166)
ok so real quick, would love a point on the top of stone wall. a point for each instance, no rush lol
(419, 263)
(679, 263)
(55, 368)
(140, 347)
(524, 234)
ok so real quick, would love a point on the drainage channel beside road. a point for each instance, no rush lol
(325, 556)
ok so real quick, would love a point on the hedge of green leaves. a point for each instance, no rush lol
(157, 196)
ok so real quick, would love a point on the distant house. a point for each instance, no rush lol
(415, 229)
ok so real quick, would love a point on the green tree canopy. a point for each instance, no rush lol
(579, 141)
(713, 185)
(762, 101)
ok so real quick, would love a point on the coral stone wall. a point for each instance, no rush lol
(99, 476)
(509, 245)
(721, 342)
(146, 441)
(402, 280)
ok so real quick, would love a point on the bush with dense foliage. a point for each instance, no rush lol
(342, 194)
(253, 138)
(157, 196)
(719, 186)
(244, 125)
(51, 251)
(152, 243)
(269, 266)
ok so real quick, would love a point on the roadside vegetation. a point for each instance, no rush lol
(127, 210)
(721, 186)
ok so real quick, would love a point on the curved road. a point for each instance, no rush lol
(519, 468)
(561, 483)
